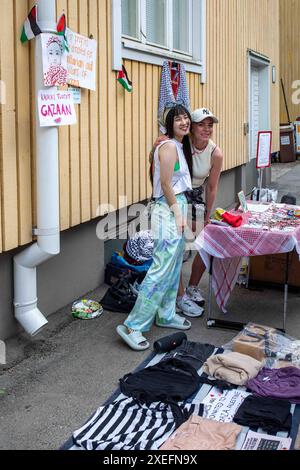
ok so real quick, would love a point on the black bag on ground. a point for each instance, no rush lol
(114, 272)
(119, 297)
(169, 382)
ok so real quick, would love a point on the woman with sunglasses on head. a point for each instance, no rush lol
(207, 159)
(171, 179)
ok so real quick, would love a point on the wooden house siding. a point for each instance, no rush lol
(105, 156)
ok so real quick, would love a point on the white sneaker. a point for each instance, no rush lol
(189, 308)
(194, 293)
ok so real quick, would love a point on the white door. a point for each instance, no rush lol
(254, 110)
(259, 101)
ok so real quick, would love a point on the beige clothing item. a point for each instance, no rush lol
(234, 367)
(202, 163)
(203, 434)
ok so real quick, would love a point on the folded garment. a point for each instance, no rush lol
(266, 413)
(277, 383)
(203, 434)
(217, 215)
(231, 219)
(233, 367)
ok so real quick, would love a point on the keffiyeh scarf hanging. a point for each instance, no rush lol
(173, 90)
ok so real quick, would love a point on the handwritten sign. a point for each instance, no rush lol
(54, 60)
(81, 61)
(56, 108)
(222, 407)
(264, 145)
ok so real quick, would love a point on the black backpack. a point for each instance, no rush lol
(170, 381)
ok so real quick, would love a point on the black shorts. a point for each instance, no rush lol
(194, 197)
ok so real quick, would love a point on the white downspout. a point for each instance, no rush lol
(47, 179)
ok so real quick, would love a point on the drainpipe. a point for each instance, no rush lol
(47, 181)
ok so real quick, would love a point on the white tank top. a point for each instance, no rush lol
(181, 179)
(202, 163)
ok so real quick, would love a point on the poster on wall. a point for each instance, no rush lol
(56, 108)
(81, 61)
(264, 146)
(54, 60)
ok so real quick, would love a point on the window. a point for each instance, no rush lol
(130, 18)
(153, 30)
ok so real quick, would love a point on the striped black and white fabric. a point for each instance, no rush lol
(128, 425)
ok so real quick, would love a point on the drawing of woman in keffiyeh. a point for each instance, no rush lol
(56, 73)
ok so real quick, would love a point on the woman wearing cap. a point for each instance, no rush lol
(171, 179)
(206, 168)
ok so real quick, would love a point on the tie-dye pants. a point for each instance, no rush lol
(158, 291)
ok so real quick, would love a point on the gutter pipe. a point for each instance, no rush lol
(47, 179)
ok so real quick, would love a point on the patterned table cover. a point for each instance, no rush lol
(228, 245)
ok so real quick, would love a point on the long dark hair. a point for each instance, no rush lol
(177, 111)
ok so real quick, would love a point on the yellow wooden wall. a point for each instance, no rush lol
(104, 156)
(289, 57)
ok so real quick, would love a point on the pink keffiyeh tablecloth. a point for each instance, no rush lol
(228, 245)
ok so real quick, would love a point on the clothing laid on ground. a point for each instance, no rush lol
(173, 89)
(170, 381)
(198, 433)
(277, 383)
(126, 424)
(194, 354)
(181, 179)
(267, 413)
(219, 384)
(233, 367)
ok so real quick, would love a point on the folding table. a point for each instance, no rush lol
(222, 249)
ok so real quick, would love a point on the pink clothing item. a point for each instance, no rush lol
(203, 434)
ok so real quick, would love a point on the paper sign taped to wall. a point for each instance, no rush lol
(81, 61)
(76, 94)
(56, 108)
(54, 60)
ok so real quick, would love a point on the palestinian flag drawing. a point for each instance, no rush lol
(124, 80)
(30, 26)
(61, 30)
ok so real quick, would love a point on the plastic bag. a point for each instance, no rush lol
(86, 309)
(265, 195)
(265, 342)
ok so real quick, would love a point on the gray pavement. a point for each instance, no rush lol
(54, 382)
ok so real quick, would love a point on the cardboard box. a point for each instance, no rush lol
(251, 340)
(271, 268)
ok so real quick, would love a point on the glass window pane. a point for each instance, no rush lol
(129, 18)
(156, 31)
(181, 25)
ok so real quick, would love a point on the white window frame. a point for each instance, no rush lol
(125, 47)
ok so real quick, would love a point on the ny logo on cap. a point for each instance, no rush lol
(205, 111)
